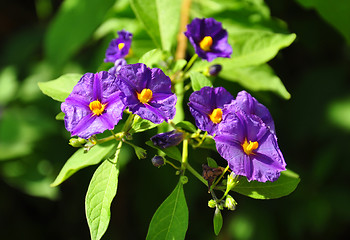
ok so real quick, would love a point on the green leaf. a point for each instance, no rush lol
(160, 19)
(60, 116)
(186, 125)
(198, 81)
(283, 186)
(101, 191)
(212, 163)
(171, 219)
(151, 58)
(256, 47)
(140, 125)
(8, 84)
(172, 152)
(217, 221)
(256, 78)
(60, 88)
(73, 25)
(335, 12)
(81, 160)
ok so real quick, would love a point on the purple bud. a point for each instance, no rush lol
(158, 161)
(214, 69)
(167, 139)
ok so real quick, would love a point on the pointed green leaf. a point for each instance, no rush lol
(101, 191)
(171, 219)
(256, 47)
(256, 78)
(198, 80)
(217, 221)
(284, 185)
(60, 116)
(81, 160)
(211, 162)
(73, 25)
(186, 125)
(160, 18)
(151, 58)
(60, 88)
(140, 125)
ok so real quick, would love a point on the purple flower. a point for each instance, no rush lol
(167, 139)
(93, 106)
(147, 92)
(245, 102)
(249, 146)
(117, 65)
(208, 38)
(206, 106)
(119, 47)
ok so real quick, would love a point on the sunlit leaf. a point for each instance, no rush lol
(160, 18)
(171, 219)
(73, 25)
(284, 185)
(60, 88)
(140, 125)
(8, 84)
(81, 160)
(217, 221)
(256, 78)
(198, 80)
(101, 191)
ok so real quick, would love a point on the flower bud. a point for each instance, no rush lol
(230, 203)
(167, 139)
(214, 69)
(212, 203)
(77, 142)
(231, 180)
(158, 161)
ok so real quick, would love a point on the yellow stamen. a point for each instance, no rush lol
(121, 45)
(205, 43)
(145, 96)
(248, 148)
(97, 107)
(216, 115)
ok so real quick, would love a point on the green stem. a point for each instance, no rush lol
(184, 156)
(217, 181)
(128, 123)
(196, 174)
(173, 165)
(190, 63)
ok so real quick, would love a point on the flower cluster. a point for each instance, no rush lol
(98, 100)
(243, 130)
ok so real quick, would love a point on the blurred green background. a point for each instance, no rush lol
(313, 128)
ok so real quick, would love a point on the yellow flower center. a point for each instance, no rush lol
(206, 43)
(216, 115)
(248, 148)
(97, 107)
(145, 96)
(121, 45)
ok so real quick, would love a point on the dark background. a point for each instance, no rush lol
(313, 129)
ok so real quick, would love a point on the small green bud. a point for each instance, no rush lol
(184, 179)
(211, 203)
(77, 142)
(231, 180)
(230, 203)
